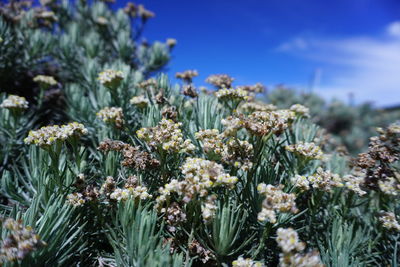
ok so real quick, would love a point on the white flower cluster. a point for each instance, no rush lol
(137, 192)
(257, 106)
(300, 110)
(20, 242)
(76, 199)
(232, 125)
(231, 151)
(242, 262)
(208, 172)
(237, 94)
(275, 201)
(212, 140)
(389, 221)
(187, 75)
(288, 240)
(393, 129)
(264, 122)
(256, 88)
(168, 135)
(45, 80)
(220, 80)
(15, 102)
(209, 208)
(139, 101)
(307, 150)
(292, 248)
(111, 78)
(323, 180)
(390, 186)
(200, 176)
(354, 181)
(238, 153)
(48, 135)
(111, 115)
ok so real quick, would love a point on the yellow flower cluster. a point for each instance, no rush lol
(167, 135)
(45, 80)
(275, 201)
(300, 110)
(200, 176)
(292, 248)
(242, 262)
(112, 115)
(389, 221)
(237, 94)
(307, 150)
(21, 241)
(14, 102)
(139, 101)
(111, 78)
(322, 180)
(48, 135)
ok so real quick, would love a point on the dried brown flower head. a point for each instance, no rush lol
(220, 80)
(187, 75)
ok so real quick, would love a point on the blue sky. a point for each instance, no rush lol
(343, 46)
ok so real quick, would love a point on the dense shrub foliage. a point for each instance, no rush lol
(105, 163)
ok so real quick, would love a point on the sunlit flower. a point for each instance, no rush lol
(275, 201)
(292, 248)
(288, 240)
(300, 110)
(306, 150)
(237, 94)
(48, 135)
(139, 101)
(45, 81)
(322, 180)
(111, 78)
(220, 80)
(14, 102)
(112, 115)
(76, 199)
(209, 208)
(166, 135)
(187, 75)
(200, 176)
(242, 262)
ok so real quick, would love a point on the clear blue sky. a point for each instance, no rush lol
(346, 45)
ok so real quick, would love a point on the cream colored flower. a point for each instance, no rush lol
(14, 102)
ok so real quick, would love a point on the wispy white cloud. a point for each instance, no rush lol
(298, 43)
(367, 67)
(393, 29)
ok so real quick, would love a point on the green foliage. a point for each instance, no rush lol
(145, 185)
